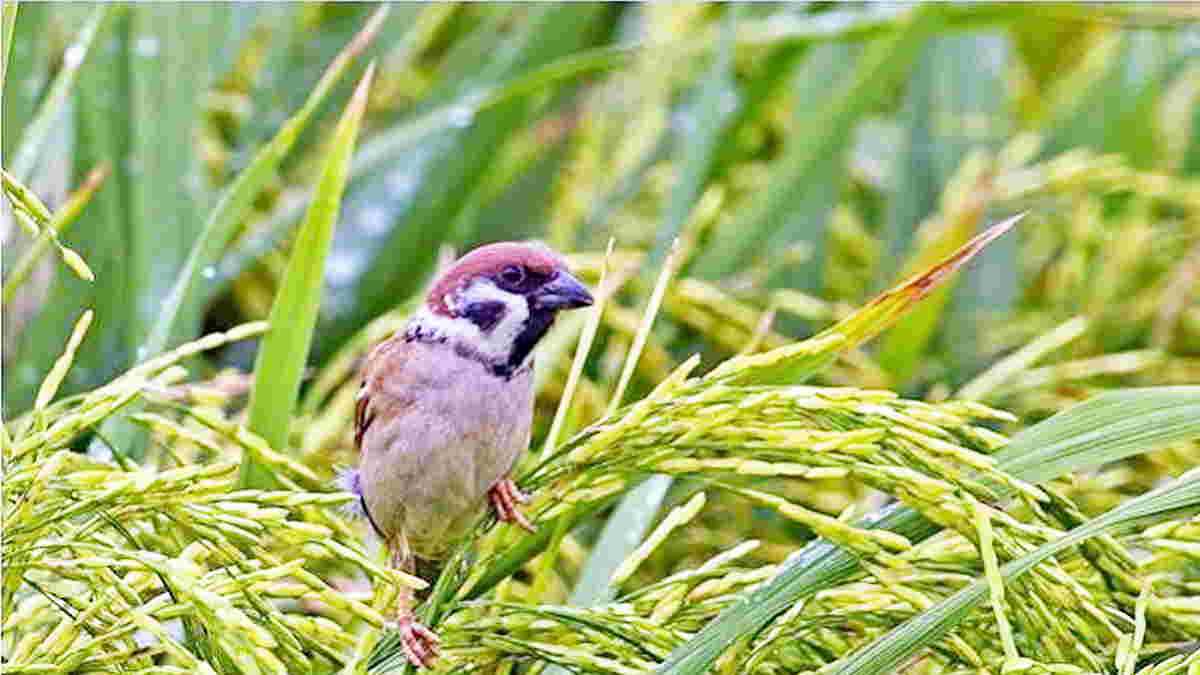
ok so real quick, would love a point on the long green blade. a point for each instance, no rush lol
(797, 362)
(284, 349)
(177, 317)
(1103, 429)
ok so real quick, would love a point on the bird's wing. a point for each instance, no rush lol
(362, 417)
(385, 362)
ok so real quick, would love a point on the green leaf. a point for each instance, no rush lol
(284, 349)
(1103, 429)
(796, 362)
(26, 71)
(299, 41)
(1109, 102)
(955, 102)
(622, 533)
(168, 68)
(136, 108)
(1136, 421)
(882, 67)
(103, 233)
(886, 653)
(698, 151)
(1191, 156)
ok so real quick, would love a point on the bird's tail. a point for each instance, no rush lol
(350, 480)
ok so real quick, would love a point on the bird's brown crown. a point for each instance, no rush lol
(487, 261)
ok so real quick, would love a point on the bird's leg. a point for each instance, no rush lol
(505, 498)
(420, 644)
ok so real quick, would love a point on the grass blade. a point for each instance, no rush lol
(604, 288)
(1128, 422)
(886, 653)
(795, 363)
(1104, 104)
(904, 349)
(988, 381)
(284, 350)
(631, 520)
(26, 60)
(622, 533)
(1103, 429)
(699, 150)
(958, 81)
(956, 105)
(167, 65)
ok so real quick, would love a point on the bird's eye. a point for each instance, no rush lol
(512, 275)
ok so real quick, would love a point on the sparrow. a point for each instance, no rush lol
(445, 407)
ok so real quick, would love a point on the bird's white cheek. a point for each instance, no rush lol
(495, 344)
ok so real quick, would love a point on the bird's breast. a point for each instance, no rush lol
(453, 431)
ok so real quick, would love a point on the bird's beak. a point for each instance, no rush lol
(562, 292)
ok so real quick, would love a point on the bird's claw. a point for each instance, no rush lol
(505, 498)
(420, 645)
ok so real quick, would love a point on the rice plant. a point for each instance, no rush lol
(892, 367)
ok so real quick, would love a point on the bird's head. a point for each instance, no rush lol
(497, 302)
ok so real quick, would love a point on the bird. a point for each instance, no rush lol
(445, 407)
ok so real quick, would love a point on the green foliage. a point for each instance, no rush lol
(284, 350)
(716, 491)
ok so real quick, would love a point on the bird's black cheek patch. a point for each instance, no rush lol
(485, 314)
(536, 325)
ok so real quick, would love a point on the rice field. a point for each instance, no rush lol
(894, 364)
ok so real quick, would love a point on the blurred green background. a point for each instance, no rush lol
(808, 155)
